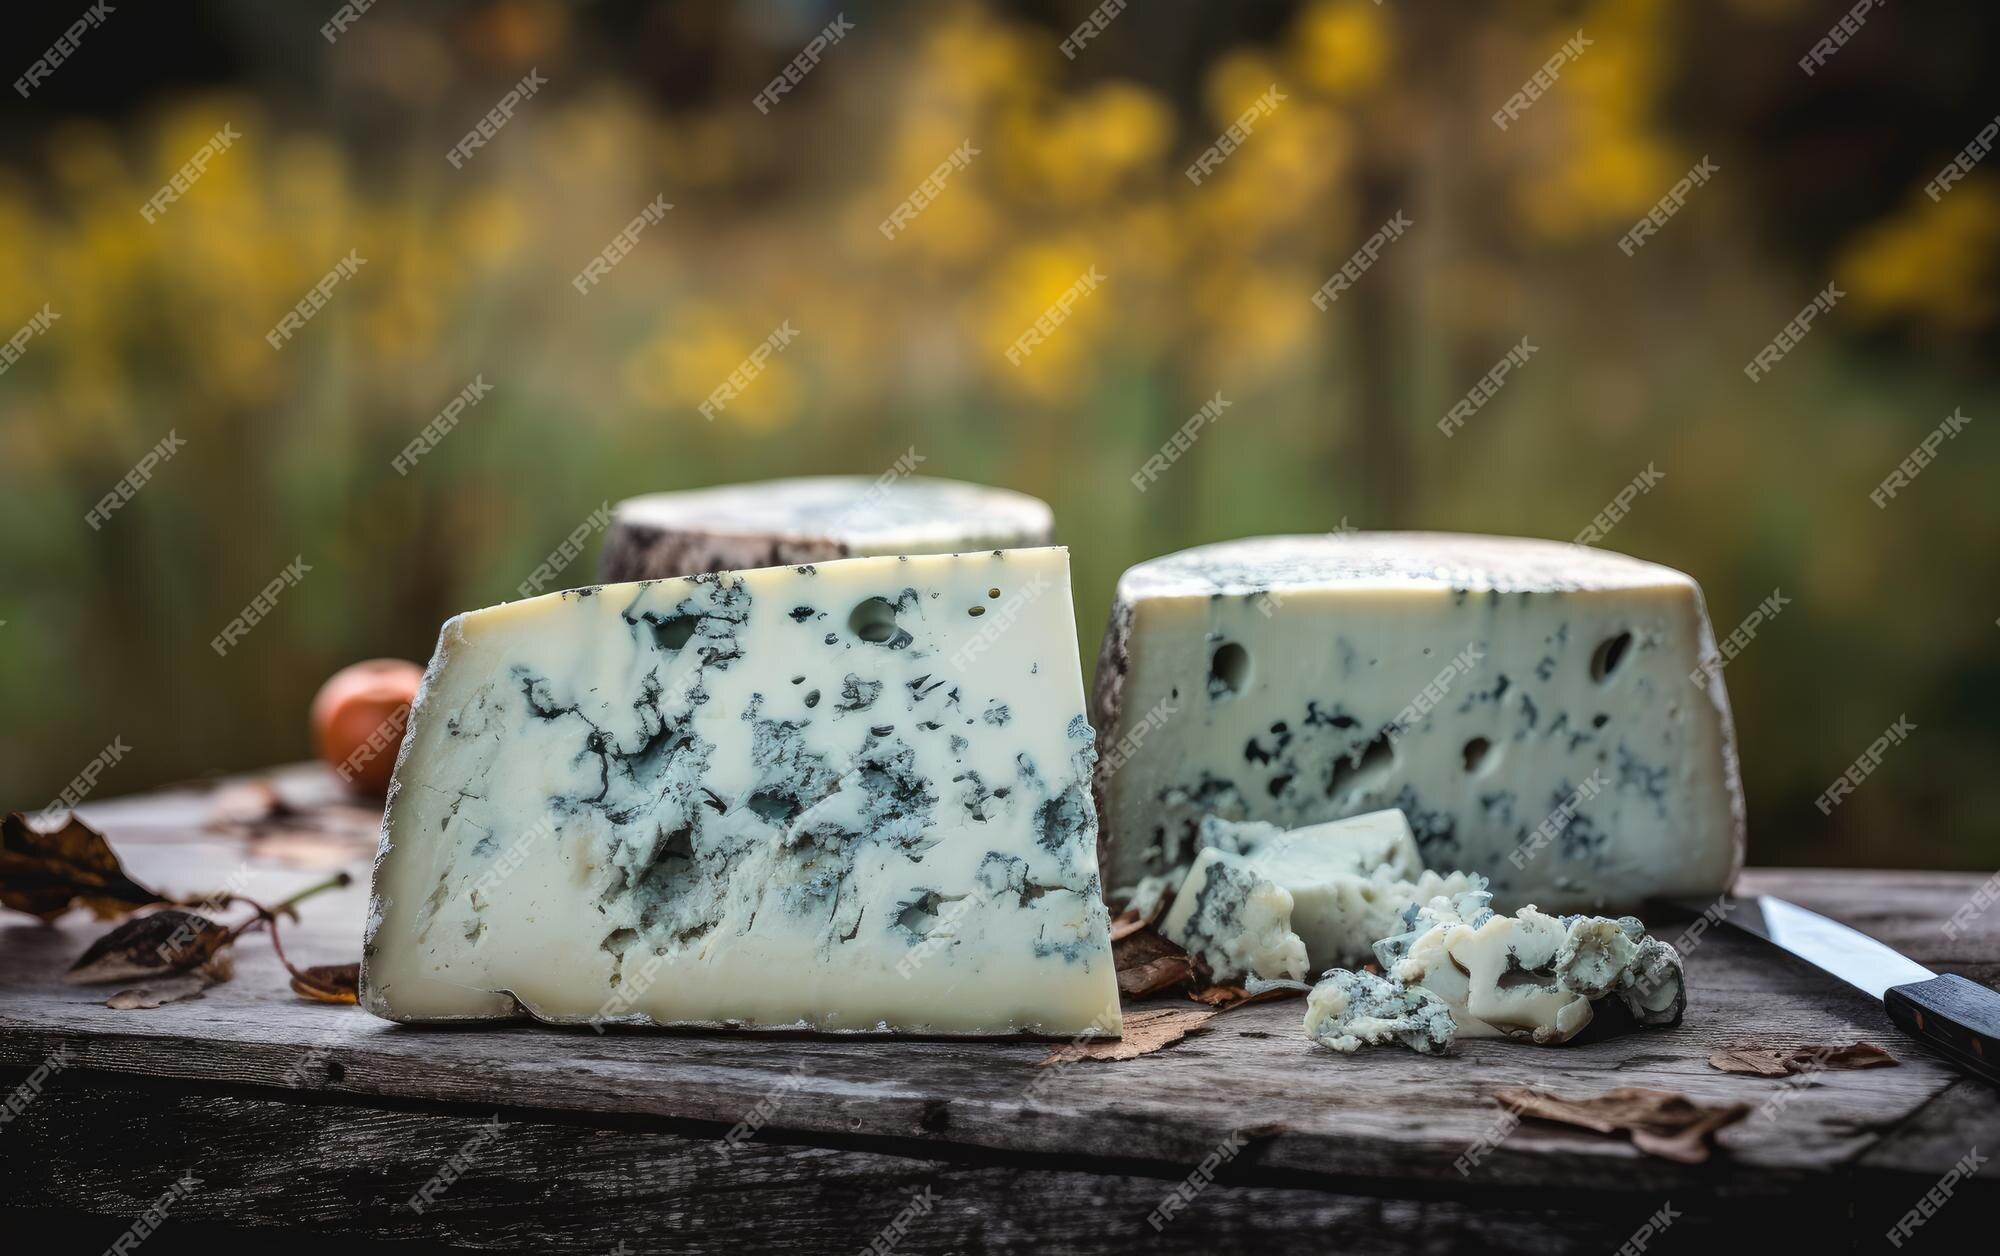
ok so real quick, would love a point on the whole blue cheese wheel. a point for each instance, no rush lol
(807, 520)
(1547, 715)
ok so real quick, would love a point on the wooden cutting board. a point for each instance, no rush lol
(325, 1121)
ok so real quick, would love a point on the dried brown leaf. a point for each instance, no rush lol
(1776, 1062)
(1855, 1055)
(1145, 1032)
(47, 873)
(1131, 920)
(1223, 997)
(168, 989)
(1762, 1061)
(1661, 1122)
(1690, 1143)
(1141, 947)
(1147, 964)
(167, 941)
(329, 983)
(1155, 975)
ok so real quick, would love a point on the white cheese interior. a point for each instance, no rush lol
(1363, 843)
(1350, 881)
(1236, 919)
(1508, 695)
(843, 797)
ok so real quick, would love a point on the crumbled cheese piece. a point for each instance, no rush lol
(1532, 975)
(1350, 1010)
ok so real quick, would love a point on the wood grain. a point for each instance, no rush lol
(1337, 1145)
(331, 1170)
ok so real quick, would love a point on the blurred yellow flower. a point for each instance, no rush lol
(1343, 47)
(969, 55)
(1049, 302)
(1253, 321)
(1593, 154)
(692, 354)
(1934, 262)
(1235, 82)
(1303, 149)
(1130, 127)
(489, 225)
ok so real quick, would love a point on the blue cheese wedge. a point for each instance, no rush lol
(1538, 710)
(1236, 920)
(850, 796)
(1350, 881)
(1534, 976)
(1351, 1010)
(812, 519)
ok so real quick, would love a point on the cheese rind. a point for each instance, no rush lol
(1527, 704)
(811, 519)
(848, 797)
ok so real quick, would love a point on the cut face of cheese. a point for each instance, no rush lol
(811, 519)
(1340, 918)
(1237, 920)
(1350, 881)
(1527, 704)
(1363, 843)
(844, 797)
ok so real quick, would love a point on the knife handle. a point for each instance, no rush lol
(1953, 1016)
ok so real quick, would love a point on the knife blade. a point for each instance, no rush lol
(1956, 1017)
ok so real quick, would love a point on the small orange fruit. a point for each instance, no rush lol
(358, 718)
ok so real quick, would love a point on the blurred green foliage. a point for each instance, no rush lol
(901, 341)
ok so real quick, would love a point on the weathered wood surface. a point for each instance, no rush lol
(543, 1186)
(627, 1123)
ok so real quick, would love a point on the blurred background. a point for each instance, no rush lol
(900, 342)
